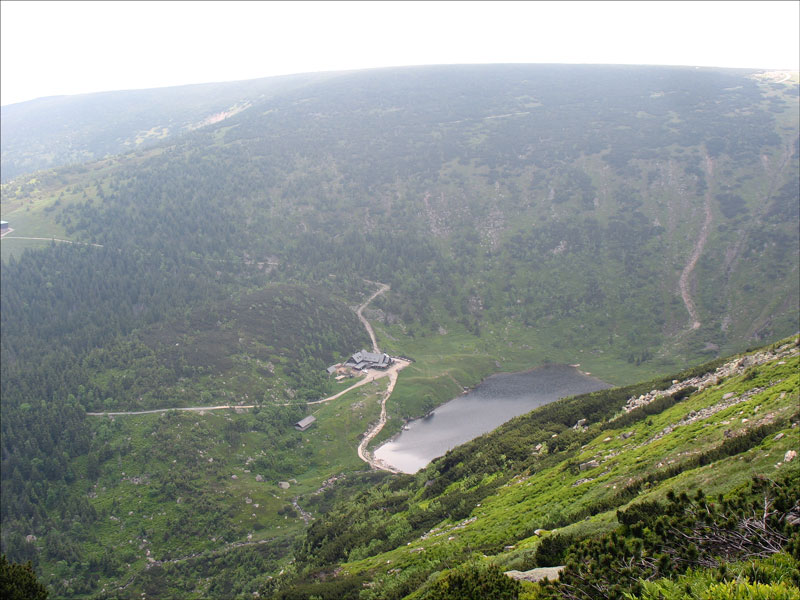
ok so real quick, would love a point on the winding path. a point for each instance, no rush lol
(685, 281)
(163, 410)
(48, 239)
(383, 287)
(392, 372)
(365, 454)
(368, 378)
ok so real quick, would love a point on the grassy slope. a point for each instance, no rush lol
(531, 500)
(176, 486)
(30, 203)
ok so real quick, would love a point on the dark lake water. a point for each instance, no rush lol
(496, 400)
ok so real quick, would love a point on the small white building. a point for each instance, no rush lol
(304, 424)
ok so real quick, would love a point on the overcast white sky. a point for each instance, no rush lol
(51, 48)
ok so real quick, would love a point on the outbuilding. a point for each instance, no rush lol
(304, 424)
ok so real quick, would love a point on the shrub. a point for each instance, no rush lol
(18, 582)
(474, 581)
(552, 550)
(744, 590)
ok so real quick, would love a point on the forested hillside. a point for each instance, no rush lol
(207, 247)
(67, 130)
(664, 198)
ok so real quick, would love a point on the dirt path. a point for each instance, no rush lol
(685, 281)
(371, 376)
(383, 287)
(392, 372)
(50, 239)
(363, 453)
(162, 410)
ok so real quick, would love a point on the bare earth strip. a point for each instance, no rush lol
(686, 275)
(383, 287)
(363, 453)
(162, 410)
(305, 515)
(50, 239)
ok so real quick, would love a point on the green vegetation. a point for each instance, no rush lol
(541, 490)
(74, 130)
(775, 578)
(576, 242)
(473, 582)
(198, 491)
(662, 541)
(518, 219)
(18, 582)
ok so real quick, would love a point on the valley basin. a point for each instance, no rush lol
(497, 399)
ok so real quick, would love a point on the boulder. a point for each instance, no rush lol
(535, 575)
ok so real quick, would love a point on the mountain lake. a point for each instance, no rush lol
(497, 399)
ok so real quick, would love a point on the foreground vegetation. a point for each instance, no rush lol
(542, 491)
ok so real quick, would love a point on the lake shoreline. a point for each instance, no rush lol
(495, 400)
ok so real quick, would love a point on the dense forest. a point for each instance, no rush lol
(209, 247)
